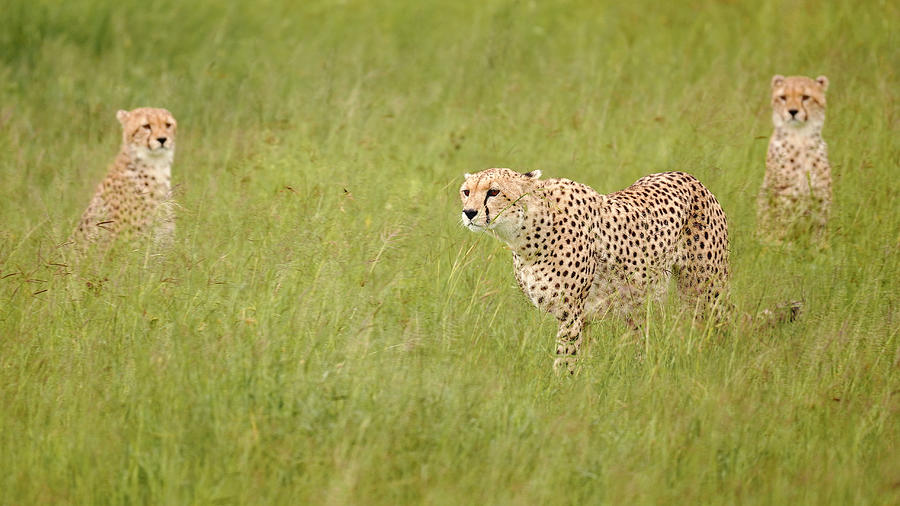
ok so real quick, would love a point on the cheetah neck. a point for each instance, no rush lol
(797, 137)
(151, 172)
(810, 130)
(524, 239)
(161, 170)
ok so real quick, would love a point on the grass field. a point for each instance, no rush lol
(325, 332)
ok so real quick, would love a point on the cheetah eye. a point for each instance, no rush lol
(493, 193)
(466, 193)
(805, 97)
(146, 126)
(783, 98)
(168, 125)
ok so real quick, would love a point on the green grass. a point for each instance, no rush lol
(325, 332)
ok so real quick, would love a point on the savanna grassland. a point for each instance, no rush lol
(323, 331)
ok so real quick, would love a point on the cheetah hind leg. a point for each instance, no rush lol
(703, 288)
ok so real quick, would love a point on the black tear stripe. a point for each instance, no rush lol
(487, 212)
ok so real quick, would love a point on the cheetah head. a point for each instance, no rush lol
(798, 101)
(149, 133)
(493, 199)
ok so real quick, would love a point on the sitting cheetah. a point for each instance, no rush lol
(796, 190)
(135, 196)
(580, 254)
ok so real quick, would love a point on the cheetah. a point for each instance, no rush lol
(579, 254)
(136, 195)
(796, 190)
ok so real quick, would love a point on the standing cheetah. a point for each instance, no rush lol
(135, 196)
(580, 254)
(796, 190)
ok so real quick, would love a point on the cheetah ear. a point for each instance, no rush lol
(122, 116)
(535, 174)
(823, 82)
(777, 80)
(467, 175)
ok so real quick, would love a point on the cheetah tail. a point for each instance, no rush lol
(785, 312)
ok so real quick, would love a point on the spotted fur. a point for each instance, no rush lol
(796, 191)
(579, 254)
(136, 195)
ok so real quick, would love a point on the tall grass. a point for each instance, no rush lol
(325, 332)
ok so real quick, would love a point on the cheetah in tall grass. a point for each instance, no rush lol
(135, 198)
(796, 192)
(579, 254)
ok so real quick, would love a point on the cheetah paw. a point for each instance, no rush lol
(564, 364)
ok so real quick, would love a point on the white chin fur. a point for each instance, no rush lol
(474, 227)
(154, 156)
(792, 123)
(157, 161)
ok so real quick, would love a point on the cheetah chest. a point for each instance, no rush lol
(798, 165)
(535, 280)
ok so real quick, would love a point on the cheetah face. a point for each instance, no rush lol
(491, 200)
(798, 101)
(148, 132)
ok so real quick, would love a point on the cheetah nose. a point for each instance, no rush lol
(793, 112)
(470, 213)
(162, 140)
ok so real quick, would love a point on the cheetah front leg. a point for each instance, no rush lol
(163, 232)
(568, 339)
